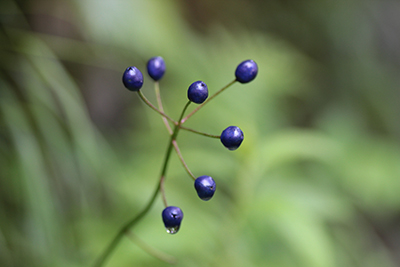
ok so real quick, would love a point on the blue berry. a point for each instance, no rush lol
(132, 79)
(246, 71)
(156, 68)
(198, 92)
(172, 218)
(232, 137)
(205, 187)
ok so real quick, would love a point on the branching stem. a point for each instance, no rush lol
(208, 100)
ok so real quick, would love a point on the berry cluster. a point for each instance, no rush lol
(197, 93)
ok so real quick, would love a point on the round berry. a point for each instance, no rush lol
(132, 79)
(156, 68)
(205, 187)
(198, 92)
(246, 71)
(172, 218)
(232, 137)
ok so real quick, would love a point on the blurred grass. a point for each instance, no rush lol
(315, 182)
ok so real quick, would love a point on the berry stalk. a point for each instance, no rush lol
(185, 166)
(145, 100)
(160, 105)
(200, 133)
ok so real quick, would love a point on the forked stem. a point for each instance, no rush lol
(208, 100)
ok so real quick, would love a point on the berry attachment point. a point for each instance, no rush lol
(205, 187)
(132, 79)
(156, 68)
(172, 218)
(246, 71)
(198, 92)
(232, 137)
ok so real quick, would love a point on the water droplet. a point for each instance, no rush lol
(172, 230)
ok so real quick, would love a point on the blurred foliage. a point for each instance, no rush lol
(316, 182)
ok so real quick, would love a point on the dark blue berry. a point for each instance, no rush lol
(156, 68)
(172, 218)
(198, 92)
(132, 79)
(205, 187)
(246, 71)
(232, 137)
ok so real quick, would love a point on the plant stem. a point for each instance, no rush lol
(208, 100)
(178, 152)
(160, 105)
(145, 100)
(124, 230)
(164, 199)
(200, 133)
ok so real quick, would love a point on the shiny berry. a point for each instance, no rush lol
(198, 92)
(232, 137)
(156, 68)
(172, 218)
(205, 187)
(246, 71)
(132, 79)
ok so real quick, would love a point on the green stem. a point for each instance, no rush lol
(124, 230)
(208, 100)
(200, 133)
(145, 100)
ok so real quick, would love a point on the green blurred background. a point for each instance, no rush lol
(316, 182)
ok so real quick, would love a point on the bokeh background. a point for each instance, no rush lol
(316, 182)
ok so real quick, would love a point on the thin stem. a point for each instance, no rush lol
(160, 105)
(208, 100)
(178, 152)
(124, 230)
(200, 133)
(151, 250)
(164, 199)
(145, 100)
